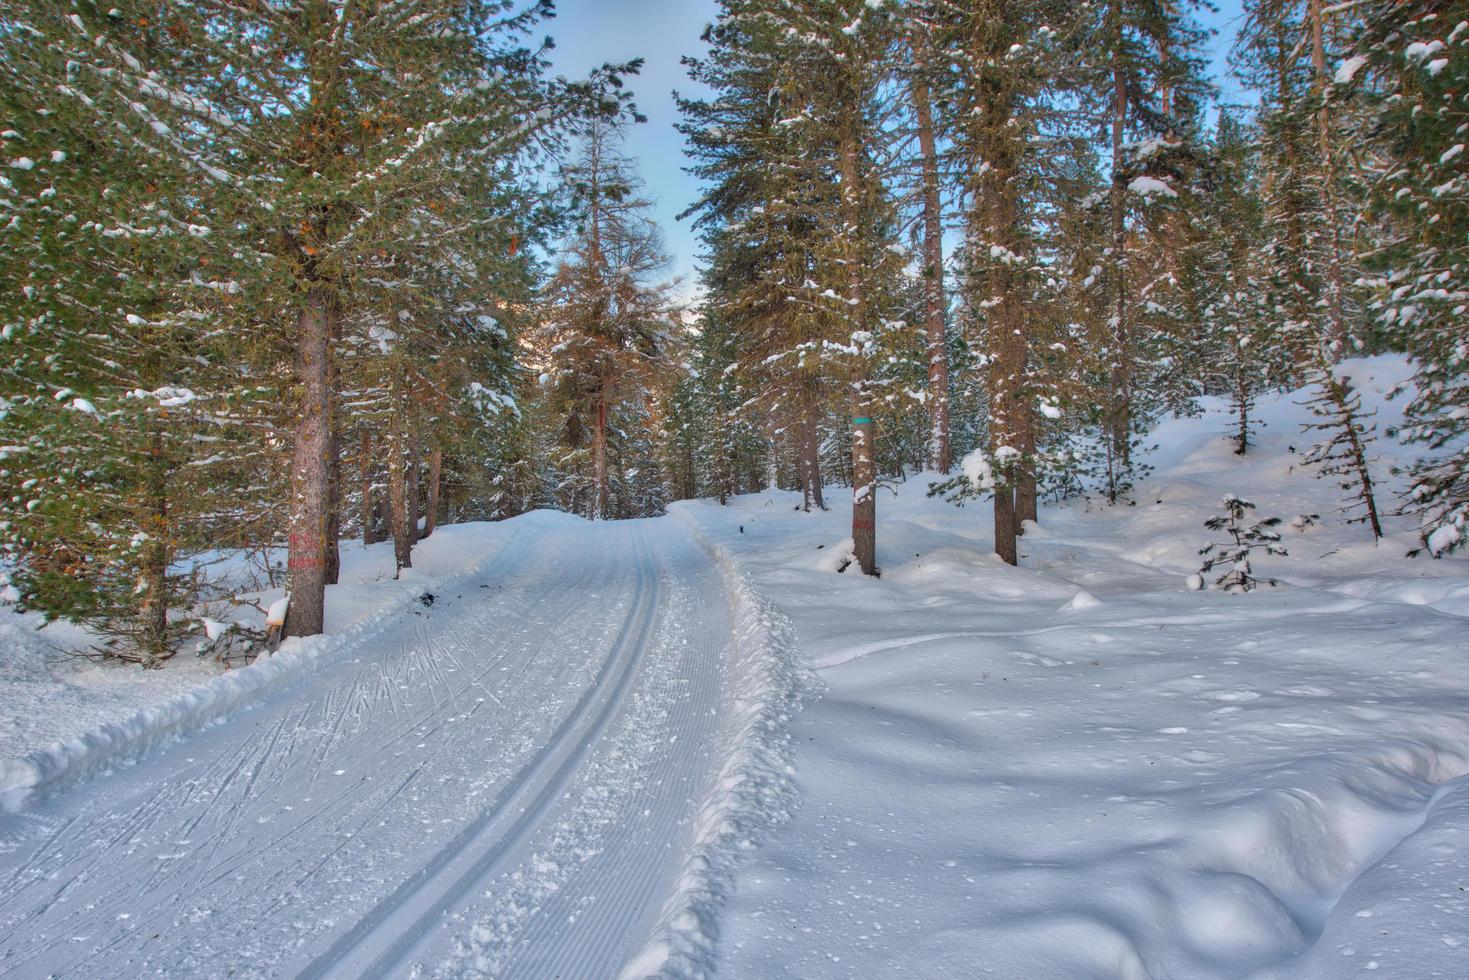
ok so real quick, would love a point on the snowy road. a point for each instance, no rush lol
(504, 783)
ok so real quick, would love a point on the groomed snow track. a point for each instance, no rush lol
(513, 782)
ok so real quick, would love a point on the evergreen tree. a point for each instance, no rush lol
(1233, 555)
(605, 322)
(1418, 92)
(1343, 455)
(108, 258)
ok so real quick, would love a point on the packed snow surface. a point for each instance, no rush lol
(1078, 768)
(547, 769)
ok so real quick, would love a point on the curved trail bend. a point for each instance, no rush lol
(504, 784)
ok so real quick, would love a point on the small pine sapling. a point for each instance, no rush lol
(1234, 555)
(1343, 452)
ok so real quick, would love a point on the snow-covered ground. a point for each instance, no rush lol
(570, 762)
(547, 772)
(64, 716)
(1079, 768)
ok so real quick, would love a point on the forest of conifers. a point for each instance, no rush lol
(278, 273)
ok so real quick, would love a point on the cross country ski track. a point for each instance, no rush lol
(503, 784)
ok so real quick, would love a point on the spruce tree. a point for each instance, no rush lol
(1417, 89)
(605, 319)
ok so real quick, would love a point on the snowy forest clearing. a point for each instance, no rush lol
(1078, 768)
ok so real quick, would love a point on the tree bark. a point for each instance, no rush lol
(333, 550)
(368, 508)
(398, 507)
(310, 466)
(1121, 373)
(1336, 327)
(435, 478)
(399, 514)
(154, 608)
(810, 444)
(1027, 505)
(934, 306)
(599, 462)
(864, 465)
(411, 494)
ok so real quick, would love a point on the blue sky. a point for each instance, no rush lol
(590, 32)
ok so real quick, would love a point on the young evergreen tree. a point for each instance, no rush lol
(1245, 536)
(605, 320)
(1343, 454)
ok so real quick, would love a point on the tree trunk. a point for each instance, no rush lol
(334, 509)
(435, 478)
(411, 495)
(1364, 475)
(1121, 373)
(1007, 531)
(310, 466)
(368, 508)
(599, 463)
(995, 221)
(398, 510)
(864, 465)
(810, 440)
(933, 268)
(1241, 396)
(864, 494)
(153, 613)
(1336, 327)
(1027, 506)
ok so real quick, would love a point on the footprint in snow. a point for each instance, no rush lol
(1309, 691)
(1036, 659)
(1229, 697)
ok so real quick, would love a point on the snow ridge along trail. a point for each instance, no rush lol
(515, 781)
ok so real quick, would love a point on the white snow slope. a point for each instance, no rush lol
(1072, 769)
(1079, 769)
(548, 772)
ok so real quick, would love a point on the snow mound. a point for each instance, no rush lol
(153, 708)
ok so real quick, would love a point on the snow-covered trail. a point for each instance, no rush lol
(505, 783)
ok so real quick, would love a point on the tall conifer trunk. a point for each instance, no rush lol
(435, 479)
(333, 550)
(411, 494)
(864, 465)
(398, 506)
(1336, 327)
(310, 465)
(1121, 372)
(933, 264)
(810, 447)
(599, 462)
(154, 638)
(1027, 506)
(368, 507)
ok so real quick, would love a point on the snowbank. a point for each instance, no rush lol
(146, 709)
(1079, 768)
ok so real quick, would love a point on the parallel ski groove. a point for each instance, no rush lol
(440, 885)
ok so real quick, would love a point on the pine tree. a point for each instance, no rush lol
(1234, 555)
(109, 389)
(1418, 93)
(605, 320)
(1343, 454)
